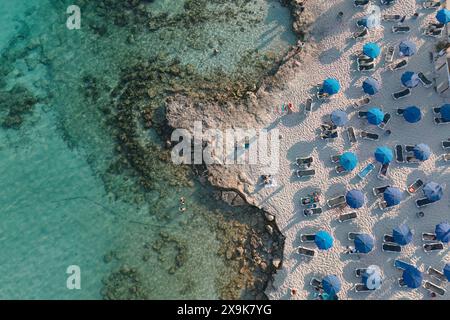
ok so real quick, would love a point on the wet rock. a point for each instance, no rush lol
(269, 229)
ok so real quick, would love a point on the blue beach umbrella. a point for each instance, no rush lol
(355, 199)
(447, 271)
(407, 48)
(392, 196)
(410, 79)
(331, 86)
(442, 231)
(323, 240)
(331, 284)
(422, 151)
(372, 277)
(371, 86)
(433, 191)
(364, 243)
(402, 234)
(339, 118)
(375, 116)
(412, 114)
(384, 155)
(445, 112)
(372, 50)
(443, 16)
(348, 160)
(412, 277)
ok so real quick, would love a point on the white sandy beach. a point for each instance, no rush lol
(329, 54)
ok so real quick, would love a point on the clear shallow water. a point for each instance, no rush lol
(59, 204)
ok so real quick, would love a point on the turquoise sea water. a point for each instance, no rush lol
(55, 207)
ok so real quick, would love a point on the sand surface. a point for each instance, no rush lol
(329, 54)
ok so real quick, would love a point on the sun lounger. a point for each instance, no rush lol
(336, 201)
(360, 34)
(437, 110)
(339, 169)
(387, 117)
(399, 157)
(389, 56)
(304, 162)
(434, 25)
(328, 127)
(415, 186)
(366, 171)
(352, 235)
(399, 65)
(351, 250)
(431, 4)
(428, 236)
(433, 288)
(359, 272)
(438, 275)
(351, 135)
(445, 144)
(307, 237)
(335, 159)
(306, 252)
(378, 191)
(401, 29)
(387, 2)
(402, 265)
(384, 206)
(409, 148)
(362, 102)
(391, 17)
(347, 216)
(365, 62)
(306, 173)
(382, 174)
(388, 238)
(321, 95)
(391, 247)
(441, 121)
(362, 114)
(361, 3)
(363, 59)
(315, 283)
(402, 283)
(368, 67)
(361, 287)
(312, 211)
(361, 23)
(308, 105)
(369, 136)
(401, 94)
(446, 157)
(311, 198)
(425, 81)
(412, 159)
(435, 246)
(433, 32)
(420, 203)
(329, 135)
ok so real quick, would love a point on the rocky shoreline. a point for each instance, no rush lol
(250, 111)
